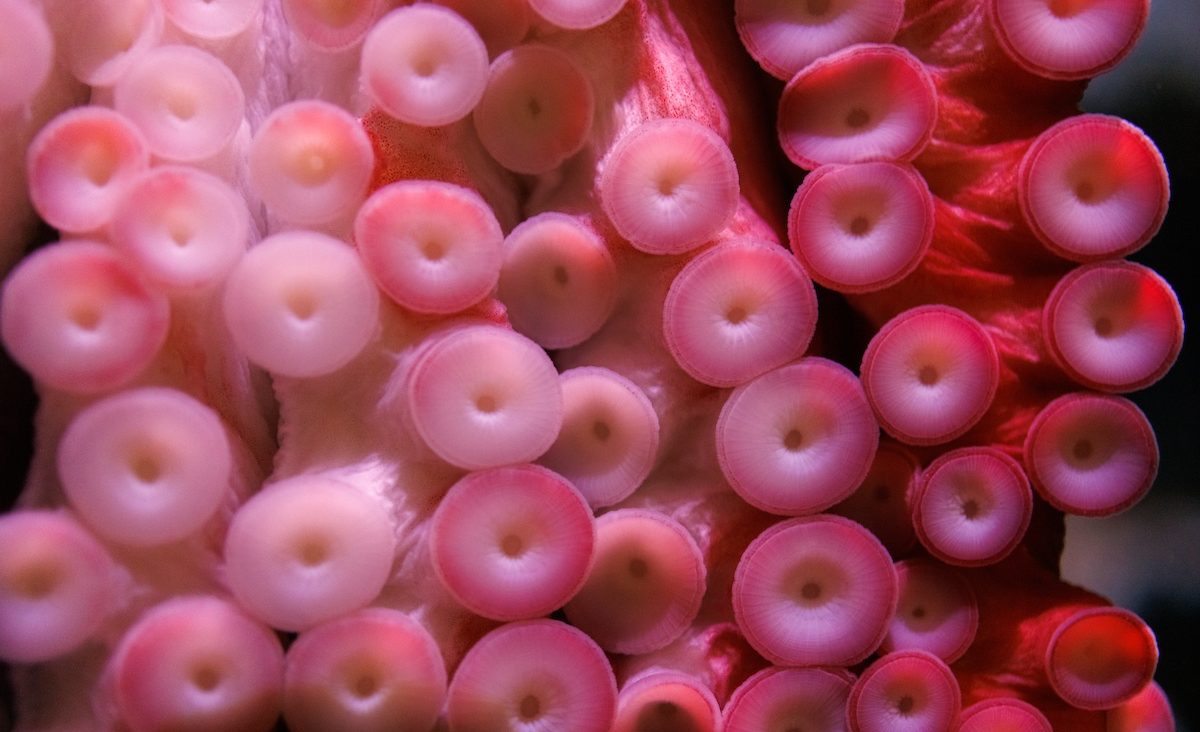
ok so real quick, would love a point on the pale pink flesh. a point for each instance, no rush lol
(610, 435)
(1003, 715)
(301, 304)
(1113, 326)
(972, 507)
(147, 466)
(1068, 40)
(738, 310)
(784, 37)
(186, 102)
(196, 663)
(797, 439)
(331, 24)
(930, 374)
(860, 228)
(80, 319)
(372, 670)
(669, 186)
(904, 691)
(817, 590)
(432, 247)
(778, 699)
(866, 102)
(484, 396)
(666, 700)
(308, 549)
(512, 543)
(1093, 187)
(381, 360)
(577, 14)
(536, 110)
(645, 585)
(557, 280)
(57, 586)
(424, 65)
(27, 55)
(107, 36)
(310, 162)
(1091, 454)
(212, 19)
(78, 163)
(185, 229)
(937, 612)
(536, 672)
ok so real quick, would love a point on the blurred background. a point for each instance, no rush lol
(1148, 558)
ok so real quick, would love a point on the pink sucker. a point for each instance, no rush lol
(146, 466)
(425, 65)
(376, 669)
(577, 14)
(973, 506)
(784, 37)
(930, 374)
(512, 543)
(483, 396)
(433, 247)
(880, 503)
(937, 612)
(186, 102)
(104, 37)
(1113, 326)
(26, 53)
(666, 701)
(1067, 39)
(185, 229)
(501, 24)
(1093, 187)
(1147, 711)
(301, 304)
(904, 691)
(307, 549)
(815, 590)
(532, 675)
(860, 228)
(1091, 454)
(79, 319)
(331, 25)
(79, 164)
(798, 439)
(785, 699)
(866, 102)
(310, 162)
(645, 585)
(609, 438)
(58, 586)
(197, 663)
(557, 280)
(213, 20)
(738, 310)
(536, 110)
(1101, 657)
(1003, 715)
(669, 185)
